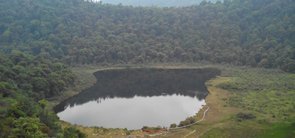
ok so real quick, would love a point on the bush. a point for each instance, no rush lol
(27, 127)
(245, 116)
(187, 121)
(72, 132)
(173, 126)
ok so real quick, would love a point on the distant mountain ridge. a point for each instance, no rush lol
(157, 3)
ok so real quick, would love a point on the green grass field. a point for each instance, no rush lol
(269, 95)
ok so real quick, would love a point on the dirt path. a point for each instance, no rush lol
(189, 134)
(204, 115)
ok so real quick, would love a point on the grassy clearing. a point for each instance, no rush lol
(99, 132)
(267, 94)
(279, 130)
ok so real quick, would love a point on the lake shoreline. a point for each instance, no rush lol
(180, 92)
(86, 78)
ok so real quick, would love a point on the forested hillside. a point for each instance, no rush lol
(24, 81)
(249, 32)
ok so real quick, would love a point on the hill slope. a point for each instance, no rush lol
(250, 32)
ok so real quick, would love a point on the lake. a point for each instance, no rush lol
(133, 98)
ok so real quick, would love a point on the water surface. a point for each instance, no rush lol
(133, 98)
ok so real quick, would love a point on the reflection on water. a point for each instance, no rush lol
(132, 98)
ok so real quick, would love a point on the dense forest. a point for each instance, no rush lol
(249, 32)
(40, 38)
(25, 81)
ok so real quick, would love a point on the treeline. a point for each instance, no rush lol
(155, 3)
(24, 81)
(258, 33)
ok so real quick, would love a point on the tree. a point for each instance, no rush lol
(72, 132)
(27, 128)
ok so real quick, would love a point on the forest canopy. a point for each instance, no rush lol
(249, 32)
(25, 81)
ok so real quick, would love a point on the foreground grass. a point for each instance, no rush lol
(269, 92)
(269, 95)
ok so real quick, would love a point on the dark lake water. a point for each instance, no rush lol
(133, 98)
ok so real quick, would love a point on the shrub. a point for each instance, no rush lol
(245, 116)
(173, 126)
(187, 121)
(72, 132)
